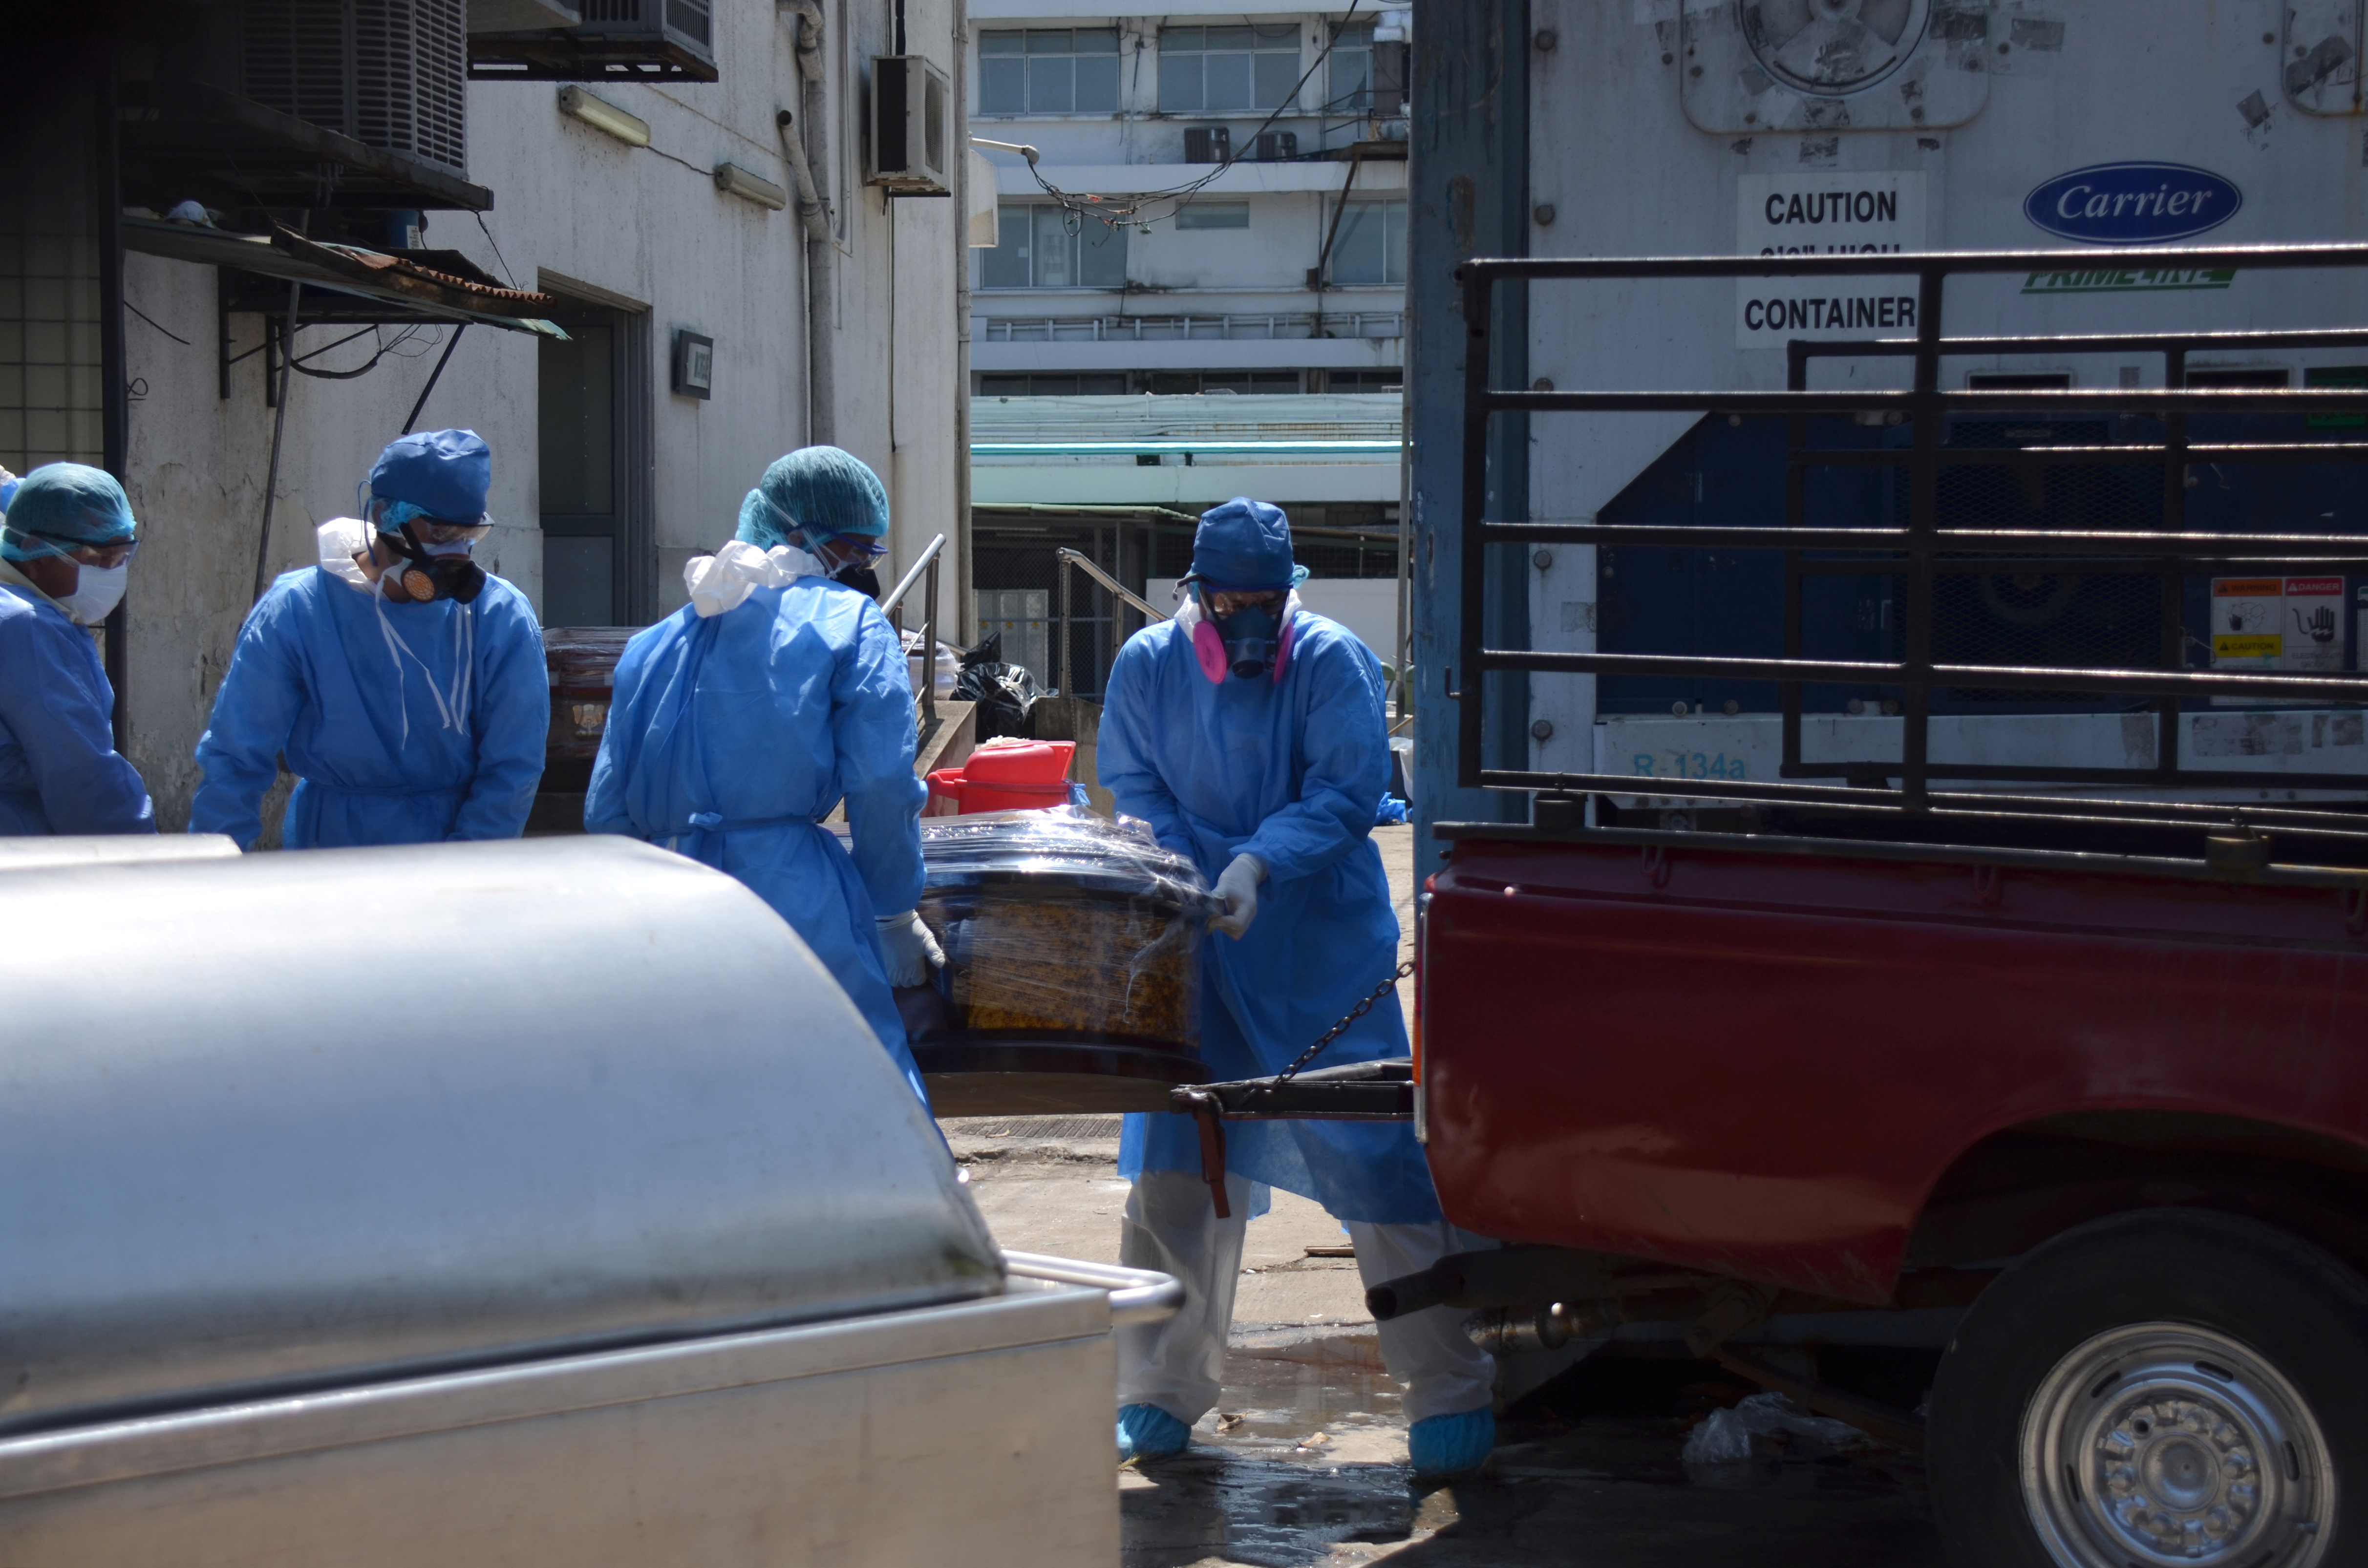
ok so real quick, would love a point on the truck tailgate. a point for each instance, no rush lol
(1758, 1064)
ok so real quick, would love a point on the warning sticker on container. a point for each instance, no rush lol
(1824, 213)
(2272, 624)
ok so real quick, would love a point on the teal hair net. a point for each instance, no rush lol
(817, 488)
(59, 505)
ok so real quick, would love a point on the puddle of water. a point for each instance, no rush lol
(1214, 1501)
(1256, 1488)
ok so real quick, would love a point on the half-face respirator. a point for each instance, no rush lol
(424, 570)
(1245, 635)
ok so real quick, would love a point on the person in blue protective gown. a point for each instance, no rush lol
(1250, 734)
(65, 548)
(741, 719)
(404, 684)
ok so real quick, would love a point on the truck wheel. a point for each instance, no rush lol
(2171, 1386)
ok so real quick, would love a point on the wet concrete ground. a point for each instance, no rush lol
(1304, 1461)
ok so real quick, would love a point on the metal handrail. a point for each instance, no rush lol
(1137, 1295)
(896, 596)
(1923, 551)
(893, 606)
(1085, 564)
(1068, 558)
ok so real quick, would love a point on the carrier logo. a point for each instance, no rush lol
(2133, 204)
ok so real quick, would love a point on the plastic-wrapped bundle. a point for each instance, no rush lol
(1073, 964)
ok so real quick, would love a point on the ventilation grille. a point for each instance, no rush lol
(388, 74)
(692, 18)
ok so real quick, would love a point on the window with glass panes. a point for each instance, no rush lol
(1213, 215)
(1084, 383)
(1210, 70)
(1042, 246)
(1371, 246)
(1349, 85)
(1048, 71)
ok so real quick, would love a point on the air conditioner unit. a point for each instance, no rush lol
(1208, 144)
(688, 24)
(912, 113)
(608, 41)
(390, 73)
(1273, 145)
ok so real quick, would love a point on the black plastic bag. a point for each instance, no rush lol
(1005, 693)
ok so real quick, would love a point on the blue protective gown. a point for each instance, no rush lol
(59, 768)
(731, 736)
(1288, 772)
(377, 763)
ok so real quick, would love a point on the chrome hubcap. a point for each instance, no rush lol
(2165, 1443)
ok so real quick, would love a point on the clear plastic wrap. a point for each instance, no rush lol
(1061, 926)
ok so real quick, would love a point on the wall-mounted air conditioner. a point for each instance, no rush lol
(390, 73)
(912, 114)
(607, 40)
(685, 24)
(1208, 144)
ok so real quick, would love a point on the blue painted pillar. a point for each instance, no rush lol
(1468, 196)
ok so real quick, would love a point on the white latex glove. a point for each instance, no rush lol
(908, 949)
(1237, 890)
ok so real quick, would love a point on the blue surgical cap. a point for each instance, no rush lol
(445, 474)
(71, 504)
(1245, 544)
(815, 487)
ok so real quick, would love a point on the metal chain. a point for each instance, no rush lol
(1337, 1030)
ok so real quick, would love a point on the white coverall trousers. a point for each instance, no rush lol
(1179, 1365)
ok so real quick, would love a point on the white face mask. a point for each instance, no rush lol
(98, 590)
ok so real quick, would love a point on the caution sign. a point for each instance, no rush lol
(2273, 624)
(1826, 213)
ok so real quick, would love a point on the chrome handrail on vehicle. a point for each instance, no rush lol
(1137, 1295)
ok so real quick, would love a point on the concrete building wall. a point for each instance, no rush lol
(585, 216)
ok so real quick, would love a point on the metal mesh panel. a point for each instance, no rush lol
(52, 408)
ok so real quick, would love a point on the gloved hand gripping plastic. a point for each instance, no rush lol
(1237, 887)
(908, 950)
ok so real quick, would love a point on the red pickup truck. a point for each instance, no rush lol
(2082, 1052)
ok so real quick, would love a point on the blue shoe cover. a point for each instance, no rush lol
(1145, 1431)
(1451, 1445)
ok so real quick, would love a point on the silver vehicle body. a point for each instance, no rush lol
(531, 1202)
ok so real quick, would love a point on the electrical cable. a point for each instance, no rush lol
(507, 275)
(365, 368)
(160, 326)
(1112, 212)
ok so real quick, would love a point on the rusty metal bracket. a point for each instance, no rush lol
(1208, 1116)
(1892, 1424)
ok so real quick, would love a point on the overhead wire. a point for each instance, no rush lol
(1115, 212)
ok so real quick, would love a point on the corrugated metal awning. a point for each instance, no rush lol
(405, 287)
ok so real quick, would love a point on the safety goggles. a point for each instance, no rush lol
(390, 516)
(105, 557)
(1232, 601)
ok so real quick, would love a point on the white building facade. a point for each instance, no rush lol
(1196, 290)
(724, 292)
(1257, 163)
